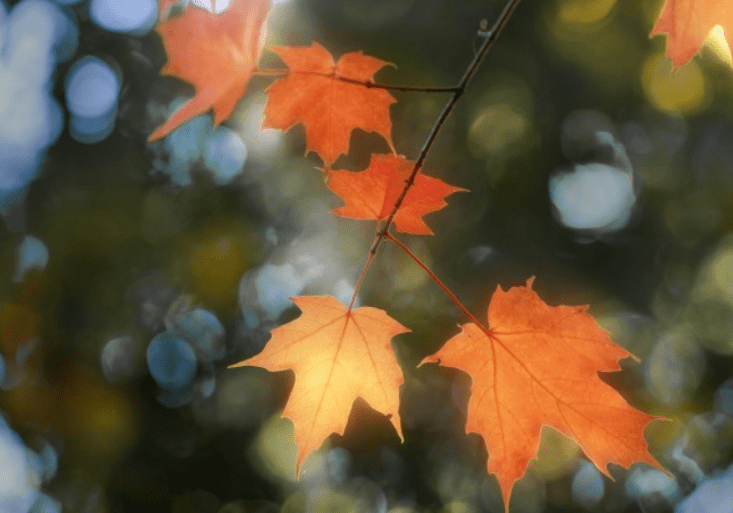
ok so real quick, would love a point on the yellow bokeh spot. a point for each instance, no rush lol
(274, 449)
(217, 264)
(406, 276)
(556, 455)
(502, 128)
(17, 326)
(682, 91)
(585, 11)
(712, 295)
(99, 420)
(458, 507)
(496, 128)
(217, 258)
(32, 402)
(717, 43)
(715, 278)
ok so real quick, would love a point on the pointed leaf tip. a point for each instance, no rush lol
(687, 24)
(216, 53)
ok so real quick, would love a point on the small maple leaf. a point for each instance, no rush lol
(688, 23)
(337, 356)
(217, 53)
(317, 93)
(538, 365)
(371, 194)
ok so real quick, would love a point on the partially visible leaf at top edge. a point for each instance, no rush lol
(687, 24)
(216, 53)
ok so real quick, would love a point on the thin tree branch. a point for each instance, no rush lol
(421, 89)
(259, 72)
(368, 84)
(361, 279)
(437, 281)
(459, 90)
(382, 230)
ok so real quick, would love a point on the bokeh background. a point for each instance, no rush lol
(133, 273)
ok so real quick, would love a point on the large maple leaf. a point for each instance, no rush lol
(688, 23)
(538, 365)
(216, 53)
(337, 356)
(318, 93)
(371, 194)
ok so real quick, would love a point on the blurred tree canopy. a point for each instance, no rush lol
(134, 273)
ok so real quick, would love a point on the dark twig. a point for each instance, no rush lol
(382, 228)
(458, 91)
(369, 84)
(438, 282)
(420, 89)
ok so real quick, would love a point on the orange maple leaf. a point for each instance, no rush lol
(371, 194)
(166, 7)
(688, 23)
(217, 53)
(538, 365)
(337, 356)
(317, 93)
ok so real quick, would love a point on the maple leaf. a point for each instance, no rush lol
(171, 8)
(165, 6)
(337, 356)
(688, 23)
(538, 365)
(371, 194)
(317, 93)
(216, 53)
